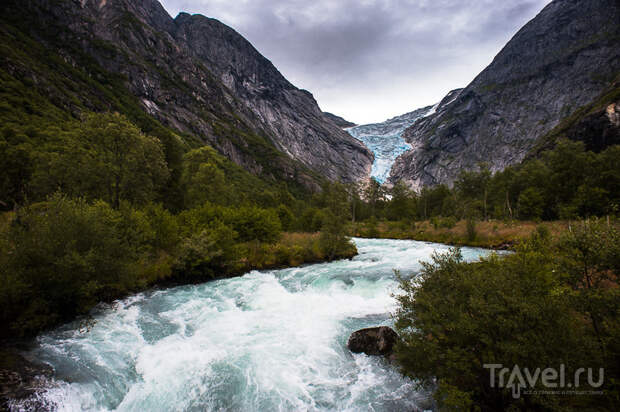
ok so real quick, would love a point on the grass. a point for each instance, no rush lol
(492, 234)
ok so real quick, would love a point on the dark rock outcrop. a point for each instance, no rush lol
(193, 74)
(601, 129)
(598, 128)
(20, 378)
(558, 62)
(373, 341)
(597, 124)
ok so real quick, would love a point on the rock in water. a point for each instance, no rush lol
(373, 341)
(20, 379)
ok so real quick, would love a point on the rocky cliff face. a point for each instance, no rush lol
(290, 115)
(558, 62)
(194, 75)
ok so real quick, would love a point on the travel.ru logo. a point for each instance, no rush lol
(519, 379)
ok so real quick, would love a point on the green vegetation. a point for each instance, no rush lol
(94, 211)
(103, 157)
(564, 183)
(60, 257)
(556, 301)
(99, 199)
(492, 234)
(96, 208)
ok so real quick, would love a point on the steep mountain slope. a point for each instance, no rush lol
(558, 62)
(290, 115)
(596, 124)
(195, 75)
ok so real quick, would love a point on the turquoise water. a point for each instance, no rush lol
(266, 341)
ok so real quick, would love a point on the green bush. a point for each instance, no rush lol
(546, 305)
(287, 219)
(248, 222)
(333, 241)
(253, 223)
(447, 222)
(63, 256)
(207, 254)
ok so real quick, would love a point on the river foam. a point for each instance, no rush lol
(265, 341)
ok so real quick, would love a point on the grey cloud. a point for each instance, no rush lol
(371, 59)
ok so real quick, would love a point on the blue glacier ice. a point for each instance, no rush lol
(385, 140)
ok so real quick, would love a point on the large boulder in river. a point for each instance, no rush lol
(373, 341)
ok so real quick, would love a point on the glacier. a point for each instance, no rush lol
(385, 140)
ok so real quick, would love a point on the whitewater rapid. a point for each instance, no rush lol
(266, 341)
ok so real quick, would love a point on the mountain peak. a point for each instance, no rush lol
(195, 75)
(558, 62)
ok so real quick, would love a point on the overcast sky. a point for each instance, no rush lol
(368, 60)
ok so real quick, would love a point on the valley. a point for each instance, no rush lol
(183, 228)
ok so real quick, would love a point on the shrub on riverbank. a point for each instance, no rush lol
(553, 302)
(61, 257)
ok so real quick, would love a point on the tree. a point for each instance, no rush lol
(15, 168)
(401, 205)
(473, 189)
(287, 219)
(548, 304)
(589, 264)
(374, 193)
(202, 180)
(334, 198)
(333, 240)
(103, 157)
(432, 200)
(65, 256)
(353, 192)
(531, 204)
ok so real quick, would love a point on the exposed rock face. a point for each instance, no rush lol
(290, 115)
(373, 341)
(339, 121)
(598, 130)
(197, 76)
(558, 62)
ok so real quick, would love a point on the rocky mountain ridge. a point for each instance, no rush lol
(193, 74)
(557, 63)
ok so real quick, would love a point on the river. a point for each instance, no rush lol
(265, 341)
